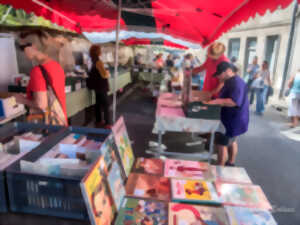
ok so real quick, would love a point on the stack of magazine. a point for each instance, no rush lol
(121, 190)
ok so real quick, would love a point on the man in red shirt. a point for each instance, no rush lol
(37, 94)
(215, 55)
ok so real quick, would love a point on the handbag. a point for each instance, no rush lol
(54, 113)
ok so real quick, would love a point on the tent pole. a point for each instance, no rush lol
(116, 62)
(289, 48)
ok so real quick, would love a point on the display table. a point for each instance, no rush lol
(151, 77)
(8, 119)
(171, 118)
(122, 81)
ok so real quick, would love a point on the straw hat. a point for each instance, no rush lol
(216, 50)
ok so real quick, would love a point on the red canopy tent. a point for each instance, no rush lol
(145, 41)
(198, 21)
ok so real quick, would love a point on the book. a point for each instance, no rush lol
(247, 216)
(97, 196)
(194, 191)
(123, 145)
(195, 214)
(231, 174)
(149, 166)
(148, 186)
(141, 212)
(185, 169)
(244, 195)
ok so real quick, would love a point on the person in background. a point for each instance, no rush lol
(215, 55)
(233, 99)
(159, 62)
(252, 71)
(237, 65)
(170, 61)
(261, 85)
(294, 99)
(49, 104)
(98, 81)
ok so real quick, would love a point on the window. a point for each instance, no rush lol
(271, 54)
(234, 48)
(250, 52)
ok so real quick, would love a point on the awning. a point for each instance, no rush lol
(144, 41)
(198, 21)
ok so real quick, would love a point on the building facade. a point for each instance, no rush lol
(267, 38)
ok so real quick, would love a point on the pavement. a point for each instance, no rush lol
(271, 158)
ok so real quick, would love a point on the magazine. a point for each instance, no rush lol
(194, 214)
(243, 195)
(97, 196)
(194, 191)
(247, 216)
(149, 166)
(141, 212)
(231, 174)
(124, 146)
(185, 169)
(148, 186)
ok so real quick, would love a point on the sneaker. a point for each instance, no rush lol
(229, 164)
(108, 126)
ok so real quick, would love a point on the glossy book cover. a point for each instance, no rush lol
(149, 166)
(142, 212)
(148, 186)
(97, 196)
(247, 216)
(186, 214)
(243, 195)
(194, 191)
(185, 169)
(231, 174)
(124, 146)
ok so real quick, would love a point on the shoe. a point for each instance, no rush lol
(107, 126)
(229, 164)
(99, 124)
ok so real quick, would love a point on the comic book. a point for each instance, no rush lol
(231, 174)
(125, 152)
(247, 216)
(243, 195)
(148, 186)
(97, 196)
(149, 166)
(141, 212)
(185, 169)
(194, 191)
(195, 214)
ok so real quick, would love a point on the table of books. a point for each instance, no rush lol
(170, 117)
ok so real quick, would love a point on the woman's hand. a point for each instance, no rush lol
(20, 98)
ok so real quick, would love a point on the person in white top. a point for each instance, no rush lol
(294, 99)
(261, 84)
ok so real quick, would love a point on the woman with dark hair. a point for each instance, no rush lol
(98, 81)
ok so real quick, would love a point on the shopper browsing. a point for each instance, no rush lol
(234, 112)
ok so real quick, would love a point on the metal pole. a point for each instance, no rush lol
(116, 62)
(289, 48)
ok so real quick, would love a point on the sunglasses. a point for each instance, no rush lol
(22, 47)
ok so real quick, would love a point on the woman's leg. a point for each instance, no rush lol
(98, 111)
(259, 101)
(106, 109)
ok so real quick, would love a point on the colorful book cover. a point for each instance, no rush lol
(142, 212)
(231, 174)
(97, 196)
(112, 171)
(124, 146)
(185, 169)
(194, 191)
(149, 166)
(186, 214)
(243, 195)
(247, 216)
(148, 186)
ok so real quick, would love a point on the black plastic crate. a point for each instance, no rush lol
(9, 130)
(49, 195)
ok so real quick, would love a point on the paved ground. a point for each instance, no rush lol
(271, 159)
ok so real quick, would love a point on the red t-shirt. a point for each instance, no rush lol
(57, 79)
(210, 82)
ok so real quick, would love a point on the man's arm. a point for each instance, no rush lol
(39, 102)
(228, 102)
